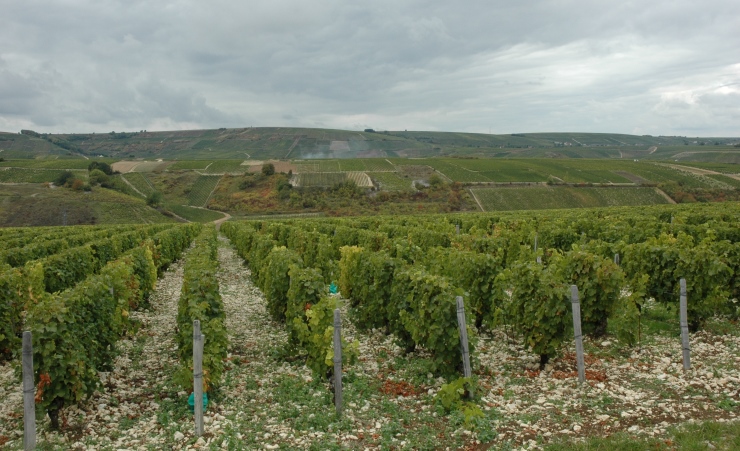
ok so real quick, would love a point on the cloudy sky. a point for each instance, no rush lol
(668, 67)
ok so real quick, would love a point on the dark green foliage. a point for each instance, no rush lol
(100, 166)
(540, 307)
(154, 199)
(75, 333)
(475, 274)
(64, 178)
(200, 300)
(268, 169)
(428, 314)
(276, 280)
(599, 281)
(666, 259)
(365, 280)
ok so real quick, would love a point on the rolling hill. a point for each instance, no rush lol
(304, 143)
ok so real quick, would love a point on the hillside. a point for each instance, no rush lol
(199, 174)
(305, 143)
(36, 205)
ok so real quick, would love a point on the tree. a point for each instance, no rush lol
(98, 177)
(154, 199)
(268, 169)
(100, 165)
(435, 181)
(63, 178)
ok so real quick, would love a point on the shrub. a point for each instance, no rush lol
(268, 169)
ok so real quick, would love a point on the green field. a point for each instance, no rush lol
(306, 143)
(735, 183)
(201, 190)
(323, 179)
(23, 175)
(52, 163)
(195, 214)
(546, 197)
(308, 166)
(190, 165)
(35, 205)
(390, 181)
(140, 182)
(224, 166)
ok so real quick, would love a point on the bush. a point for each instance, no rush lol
(77, 185)
(154, 199)
(98, 177)
(63, 178)
(268, 169)
(276, 280)
(100, 166)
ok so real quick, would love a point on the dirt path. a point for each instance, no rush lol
(475, 198)
(666, 196)
(218, 222)
(699, 171)
(132, 186)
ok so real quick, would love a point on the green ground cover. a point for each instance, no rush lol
(187, 165)
(140, 182)
(35, 205)
(726, 180)
(222, 166)
(24, 175)
(195, 214)
(306, 166)
(201, 190)
(390, 181)
(320, 179)
(725, 168)
(547, 197)
(52, 163)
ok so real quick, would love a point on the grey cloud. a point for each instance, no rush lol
(507, 66)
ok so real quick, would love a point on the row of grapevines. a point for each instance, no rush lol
(75, 331)
(295, 291)
(17, 256)
(21, 287)
(33, 235)
(495, 264)
(200, 299)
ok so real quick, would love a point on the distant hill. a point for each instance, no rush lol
(306, 143)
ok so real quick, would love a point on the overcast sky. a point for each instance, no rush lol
(668, 67)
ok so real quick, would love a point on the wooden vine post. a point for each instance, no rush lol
(684, 328)
(29, 405)
(575, 303)
(338, 362)
(463, 336)
(198, 339)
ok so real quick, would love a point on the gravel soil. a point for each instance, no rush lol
(269, 400)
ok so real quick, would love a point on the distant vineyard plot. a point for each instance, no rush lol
(139, 181)
(140, 166)
(546, 197)
(324, 179)
(23, 175)
(390, 181)
(201, 190)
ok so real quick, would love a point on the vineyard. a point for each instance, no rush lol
(548, 197)
(29, 175)
(327, 179)
(201, 190)
(111, 311)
